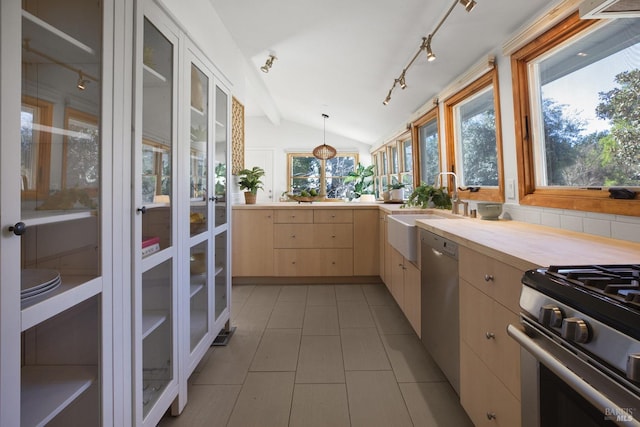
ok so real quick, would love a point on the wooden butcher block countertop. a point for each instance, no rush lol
(525, 246)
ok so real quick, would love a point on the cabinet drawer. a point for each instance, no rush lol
(317, 236)
(333, 216)
(313, 262)
(483, 327)
(293, 216)
(482, 394)
(496, 279)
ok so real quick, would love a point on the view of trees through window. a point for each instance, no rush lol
(305, 174)
(476, 141)
(590, 110)
(429, 154)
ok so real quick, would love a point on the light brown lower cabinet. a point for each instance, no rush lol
(489, 358)
(305, 241)
(485, 399)
(404, 285)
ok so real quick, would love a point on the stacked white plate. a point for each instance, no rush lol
(38, 281)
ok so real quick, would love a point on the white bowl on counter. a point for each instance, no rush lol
(489, 210)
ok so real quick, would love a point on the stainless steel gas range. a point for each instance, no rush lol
(580, 339)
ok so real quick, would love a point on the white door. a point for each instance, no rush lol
(264, 159)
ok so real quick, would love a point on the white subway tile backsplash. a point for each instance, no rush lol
(599, 227)
(550, 219)
(615, 226)
(573, 223)
(626, 231)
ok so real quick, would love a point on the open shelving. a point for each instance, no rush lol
(48, 390)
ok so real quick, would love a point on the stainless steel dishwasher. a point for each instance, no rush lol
(439, 304)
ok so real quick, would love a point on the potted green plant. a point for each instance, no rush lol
(250, 181)
(427, 196)
(396, 191)
(362, 177)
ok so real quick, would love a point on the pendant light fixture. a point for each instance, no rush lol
(324, 151)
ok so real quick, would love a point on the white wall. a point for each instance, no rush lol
(288, 137)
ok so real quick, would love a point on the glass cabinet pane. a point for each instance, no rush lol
(221, 273)
(198, 157)
(60, 178)
(199, 293)
(157, 114)
(157, 361)
(220, 166)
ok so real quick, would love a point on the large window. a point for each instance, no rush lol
(474, 146)
(306, 172)
(394, 164)
(427, 135)
(578, 115)
(36, 118)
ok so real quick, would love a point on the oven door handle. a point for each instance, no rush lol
(583, 388)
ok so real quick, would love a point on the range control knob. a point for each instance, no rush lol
(575, 329)
(550, 315)
(633, 367)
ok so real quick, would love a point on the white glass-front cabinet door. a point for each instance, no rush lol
(197, 281)
(155, 358)
(55, 293)
(222, 160)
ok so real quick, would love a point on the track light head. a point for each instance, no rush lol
(468, 4)
(430, 55)
(401, 81)
(82, 82)
(387, 99)
(267, 65)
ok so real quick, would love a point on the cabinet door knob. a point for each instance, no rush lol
(142, 210)
(491, 415)
(490, 335)
(18, 228)
(488, 278)
(293, 236)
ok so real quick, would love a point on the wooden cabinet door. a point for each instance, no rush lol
(412, 292)
(366, 242)
(397, 276)
(485, 399)
(252, 242)
(382, 241)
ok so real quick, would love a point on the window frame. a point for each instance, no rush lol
(43, 148)
(591, 200)
(433, 114)
(90, 119)
(323, 176)
(490, 78)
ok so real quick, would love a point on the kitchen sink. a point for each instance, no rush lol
(403, 235)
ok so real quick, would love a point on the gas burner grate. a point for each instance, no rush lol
(619, 282)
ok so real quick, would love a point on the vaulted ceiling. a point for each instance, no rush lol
(341, 57)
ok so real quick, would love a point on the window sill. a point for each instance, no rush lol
(582, 200)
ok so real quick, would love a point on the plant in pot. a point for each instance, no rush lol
(362, 177)
(396, 191)
(250, 181)
(427, 196)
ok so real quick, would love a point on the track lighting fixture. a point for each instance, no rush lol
(267, 65)
(426, 46)
(82, 82)
(468, 4)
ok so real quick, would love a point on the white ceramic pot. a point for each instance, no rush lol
(367, 198)
(397, 194)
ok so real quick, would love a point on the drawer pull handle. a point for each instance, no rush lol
(488, 278)
(491, 415)
(490, 335)
(333, 237)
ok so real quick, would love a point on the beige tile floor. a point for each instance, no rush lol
(319, 355)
